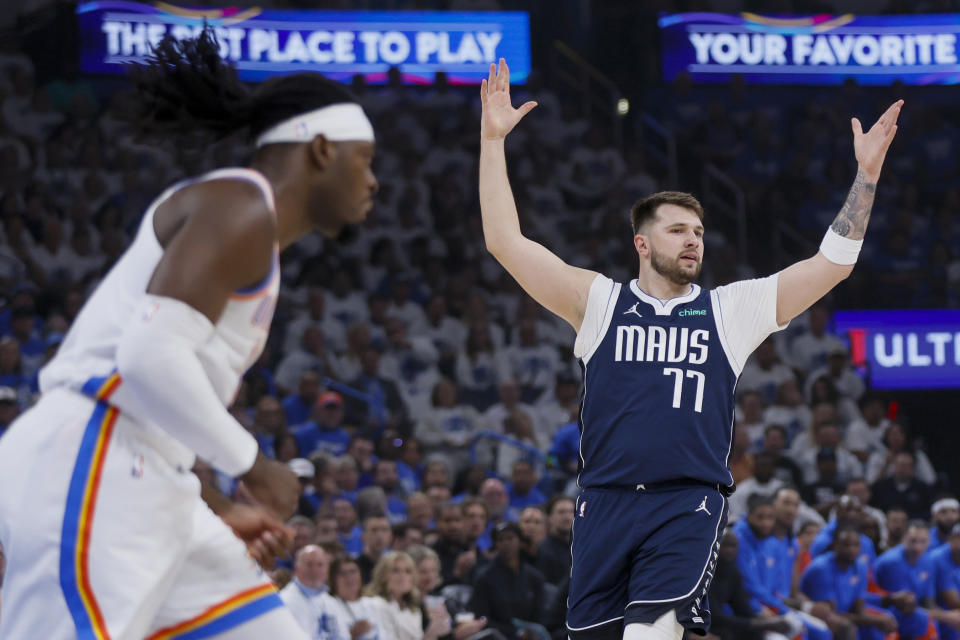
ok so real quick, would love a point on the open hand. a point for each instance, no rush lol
(871, 147)
(498, 115)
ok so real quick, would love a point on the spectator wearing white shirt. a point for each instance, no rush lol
(350, 365)
(448, 427)
(315, 315)
(411, 363)
(749, 417)
(790, 411)
(827, 438)
(880, 464)
(809, 350)
(479, 367)
(865, 434)
(446, 332)
(763, 482)
(823, 390)
(356, 616)
(846, 381)
(560, 407)
(402, 306)
(533, 364)
(397, 601)
(344, 304)
(311, 356)
(764, 372)
(306, 595)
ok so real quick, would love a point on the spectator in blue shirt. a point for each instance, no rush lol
(298, 406)
(268, 424)
(849, 513)
(946, 572)
(325, 433)
(385, 477)
(348, 533)
(762, 561)
(523, 491)
(837, 579)
(906, 568)
(409, 469)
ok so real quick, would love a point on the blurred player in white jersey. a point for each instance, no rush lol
(108, 534)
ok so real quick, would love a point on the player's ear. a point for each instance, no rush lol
(641, 244)
(322, 152)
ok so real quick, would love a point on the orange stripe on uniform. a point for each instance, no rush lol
(214, 612)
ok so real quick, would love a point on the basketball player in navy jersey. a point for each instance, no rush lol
(661, 359)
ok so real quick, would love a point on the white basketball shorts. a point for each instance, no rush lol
(107, 538)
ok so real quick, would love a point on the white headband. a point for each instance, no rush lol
(337, 122)
(945, 503)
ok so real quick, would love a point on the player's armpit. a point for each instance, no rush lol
(556, 285)
(803, 283)
(225, 244)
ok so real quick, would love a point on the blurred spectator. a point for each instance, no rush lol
(448, 427)
(732, 616)
(809, 351)
(533, 526)
(269, 423)
(838, 370)
(837, 579)
(450, 544)
(348, 533)
(333, 331)
(508, 592)
(533, 364)
(790, 411)
(774, 443)
(410, 363)
(306, 595)
(827, 440)
(420, 511)
(325, 432)
(945, 513)
(764, 373)
(298, 406)
(361, 450)
(896, 439)
(906, 569)
(385, 477)
(356, 617)
(519, 427)
(762, 482)
(903, 488)
(480, 367)
(750, 417)
(897, 521)
(311, 356)
(397, 601)
(741, 460)
(865, 434)
(554, 554)
(386, 404)
(377, 537)
(406, 535)
(409, 469)
(859, 489)
(477, 523)
(827, 487)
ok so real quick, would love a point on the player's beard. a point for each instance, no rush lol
(671, 269)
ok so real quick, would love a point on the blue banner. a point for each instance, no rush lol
(904, 349)
(811, 50)
(338, 44)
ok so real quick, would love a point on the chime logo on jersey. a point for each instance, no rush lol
(659, 344)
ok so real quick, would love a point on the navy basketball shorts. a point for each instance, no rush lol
(641, 552)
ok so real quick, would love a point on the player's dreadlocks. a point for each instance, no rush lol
(185, 86)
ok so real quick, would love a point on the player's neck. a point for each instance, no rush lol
(288, 197)
(654, 284)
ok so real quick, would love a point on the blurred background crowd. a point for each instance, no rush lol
(429, 406)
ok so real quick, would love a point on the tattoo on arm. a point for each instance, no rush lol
(852, 220)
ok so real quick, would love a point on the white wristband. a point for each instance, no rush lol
(840, 250)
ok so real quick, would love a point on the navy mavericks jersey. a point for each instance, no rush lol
(659, 379)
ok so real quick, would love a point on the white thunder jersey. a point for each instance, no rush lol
(89, 351)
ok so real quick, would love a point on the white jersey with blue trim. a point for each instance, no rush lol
(89, 349)
(659, 379)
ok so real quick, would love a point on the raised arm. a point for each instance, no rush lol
(802, 284)
(550, 281)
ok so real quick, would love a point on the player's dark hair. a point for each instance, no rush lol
(185, 86)
(757, 500)
(646, 208)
